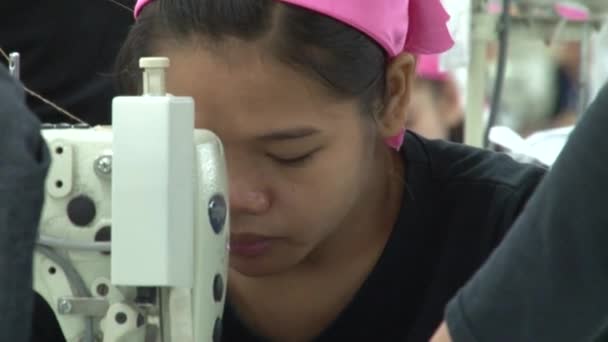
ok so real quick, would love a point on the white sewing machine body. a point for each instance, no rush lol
(165, 295)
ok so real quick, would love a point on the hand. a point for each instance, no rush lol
(442, 334)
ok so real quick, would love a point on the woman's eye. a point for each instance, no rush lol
(292, 161)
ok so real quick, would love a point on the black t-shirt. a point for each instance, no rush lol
(548, 281)
(458, 204)
(67, 48)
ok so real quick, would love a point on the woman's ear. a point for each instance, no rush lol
(400, 76)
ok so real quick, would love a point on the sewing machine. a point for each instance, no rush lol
(135, 225)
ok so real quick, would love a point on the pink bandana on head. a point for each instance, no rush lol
(413, 26)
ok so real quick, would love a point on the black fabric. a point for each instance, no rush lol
(459, 203)
(67, 49)
(24, 162)
(548, 281)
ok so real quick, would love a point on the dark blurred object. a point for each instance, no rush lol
(566, 100)
(67, 52)
(567, 96)
(24, 163)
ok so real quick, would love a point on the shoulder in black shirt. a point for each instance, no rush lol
(458, 204)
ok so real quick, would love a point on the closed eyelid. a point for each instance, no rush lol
(289, 134)
(293, 153)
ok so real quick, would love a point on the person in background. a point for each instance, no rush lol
(435, 111)
(24, 163)
(67, 49)
(547, 281)
(568, 85)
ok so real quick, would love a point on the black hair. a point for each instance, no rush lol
(347, 61)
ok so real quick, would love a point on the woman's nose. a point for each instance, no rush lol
(247, 200)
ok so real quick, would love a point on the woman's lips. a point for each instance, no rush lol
(250, 245)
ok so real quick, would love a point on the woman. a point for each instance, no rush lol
(337, 232)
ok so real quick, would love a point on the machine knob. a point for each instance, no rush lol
(218, 288)
(217, 211)
(81, 210)
(217, 330)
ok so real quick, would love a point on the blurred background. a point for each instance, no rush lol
(518, 78)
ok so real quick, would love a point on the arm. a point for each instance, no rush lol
(442, 334)
(547, 280)
(23, 165)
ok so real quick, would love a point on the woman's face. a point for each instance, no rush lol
(299, 161)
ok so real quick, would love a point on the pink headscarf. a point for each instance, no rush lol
(414, 26)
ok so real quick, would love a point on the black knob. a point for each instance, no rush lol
(218, 288)
(120, 318)
(104, 234)
(217, 330)
(81, 210)
(103, 290)
(217, 211)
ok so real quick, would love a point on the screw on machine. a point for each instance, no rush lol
(14, 65)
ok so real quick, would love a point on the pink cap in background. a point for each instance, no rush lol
(572, 11)
(429, 67)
